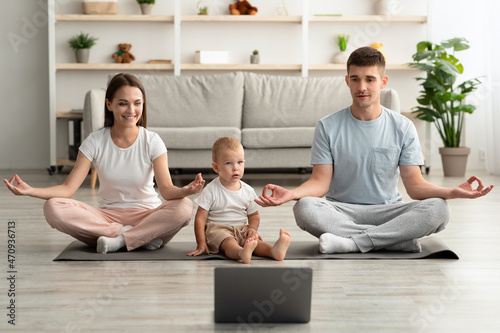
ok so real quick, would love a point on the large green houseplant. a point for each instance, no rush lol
(441, 99)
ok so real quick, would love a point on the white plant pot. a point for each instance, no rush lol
(146, 8)
(254, 59)
(340, 57)
(383, 7)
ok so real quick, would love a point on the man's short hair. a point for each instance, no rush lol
(224, 143)
(365, 57)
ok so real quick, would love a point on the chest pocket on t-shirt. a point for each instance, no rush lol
(384, 161)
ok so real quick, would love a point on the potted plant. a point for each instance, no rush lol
(202, 7)
(254, 57)
(341, 56)
(146, 6)
(81, 44)
(203, 11)
(383, 7)
(442, 99)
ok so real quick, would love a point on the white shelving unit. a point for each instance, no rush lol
(178, 21)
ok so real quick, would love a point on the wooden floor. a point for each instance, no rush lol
(348, 296)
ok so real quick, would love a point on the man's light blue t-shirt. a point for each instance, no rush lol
(365, 155)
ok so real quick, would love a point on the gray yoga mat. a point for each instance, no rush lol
(432, 248)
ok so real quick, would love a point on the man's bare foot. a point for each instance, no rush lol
(247, 250)
(281, 246)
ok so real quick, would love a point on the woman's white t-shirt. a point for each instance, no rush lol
(125, 174)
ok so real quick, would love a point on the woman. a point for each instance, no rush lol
(126, 156)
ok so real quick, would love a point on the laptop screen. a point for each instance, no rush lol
(252, 296)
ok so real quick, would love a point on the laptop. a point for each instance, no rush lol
(252, 296)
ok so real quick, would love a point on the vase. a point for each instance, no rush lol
(82, 56)
(383, 7)
(340, 57)
(254, 59)
(146, 8)
(454, 160)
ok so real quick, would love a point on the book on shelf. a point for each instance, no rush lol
(159, 61)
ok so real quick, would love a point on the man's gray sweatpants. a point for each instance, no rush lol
(372, 227)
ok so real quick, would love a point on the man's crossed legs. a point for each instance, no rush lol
(343, 227)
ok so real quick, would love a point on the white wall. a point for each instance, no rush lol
(462, 18)
(24, 129)
(24, 125)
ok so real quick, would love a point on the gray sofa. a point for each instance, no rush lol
(273, 116)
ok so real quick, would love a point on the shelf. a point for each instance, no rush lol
(64, 162)
(241, 18)
(225, 67)
(333, 67)
(409, 114)
(238, 18)
(69, 115)
(113, 66)
(222, 67)
(113, 18)
(369, 18)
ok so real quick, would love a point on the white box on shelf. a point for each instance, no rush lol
(211, 57)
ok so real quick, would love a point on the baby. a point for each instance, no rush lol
(227, 218)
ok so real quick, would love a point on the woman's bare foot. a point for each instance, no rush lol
(281, 246)
(247, 250)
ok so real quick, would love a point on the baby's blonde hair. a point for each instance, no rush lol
(224, 143)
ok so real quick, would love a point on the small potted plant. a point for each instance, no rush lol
(442, 100)
(254, 57)
(341, 56)
(81, 44)
(202, 7)
(146, 6)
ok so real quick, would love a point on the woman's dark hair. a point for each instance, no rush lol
(118, 81)
(367, 56)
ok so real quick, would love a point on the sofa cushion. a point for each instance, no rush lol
(281, 137)
(390, 99)
(288, 101)
(193, 101)
(278, 158)
(194, 137)
(93, 111)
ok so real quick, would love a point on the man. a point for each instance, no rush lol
(358, 154)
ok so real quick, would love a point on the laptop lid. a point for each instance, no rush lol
(256, 295)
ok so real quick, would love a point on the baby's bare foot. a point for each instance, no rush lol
(247, 250)
(281, 246)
